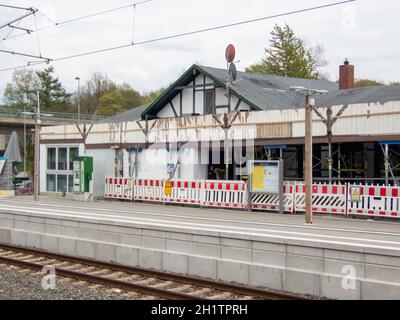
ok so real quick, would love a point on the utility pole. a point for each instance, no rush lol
(36, 162)
(308, 165)
(27, 99)
(226, 148)
(308, 157)
(37, 150)
(79, 98)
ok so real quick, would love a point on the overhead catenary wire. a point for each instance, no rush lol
(133, 25)
(67, 21)
(47, 17)
(37, 36)
(184, 34)
(16, 7)
(12, 29)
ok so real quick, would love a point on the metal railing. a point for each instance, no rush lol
(57, 116)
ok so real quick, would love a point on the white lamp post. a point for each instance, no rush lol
(79, 98)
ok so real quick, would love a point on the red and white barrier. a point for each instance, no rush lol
(326, 198)
(225, 194)
(270, 202)
(374, 201)
(185, 192)
(331, 199)
(118, 188)
(148, 190)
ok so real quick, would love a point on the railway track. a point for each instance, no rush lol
(137, 282)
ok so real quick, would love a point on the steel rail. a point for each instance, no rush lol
(115, 283)
(217, 285)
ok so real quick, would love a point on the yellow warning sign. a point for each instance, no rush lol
(168, 188)
(355, 195)
(258, 178)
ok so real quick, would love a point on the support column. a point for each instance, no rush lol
(387, 164)
(330, 162)
(329, 131)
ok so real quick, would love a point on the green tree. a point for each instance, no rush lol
(152, 95)
(119, 100)
(290, 56)
(362, 83)
(53, 96)
(23, 85)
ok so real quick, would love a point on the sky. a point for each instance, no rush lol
(365, 32)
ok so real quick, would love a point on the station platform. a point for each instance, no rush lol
(260, 249)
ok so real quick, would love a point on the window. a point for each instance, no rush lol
(51, 158)
(62, 159)
(51, 182)
(209, 102)
(59, 177)
(62, 183)
(73, 152)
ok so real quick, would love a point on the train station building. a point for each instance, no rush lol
(204, 127)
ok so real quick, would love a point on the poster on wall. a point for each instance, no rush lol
(170, 168)
(266, 177)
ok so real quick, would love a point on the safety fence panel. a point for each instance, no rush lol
(371, 200)
(185, 192)
(325, 198)
(225, 194)
(362, 200)
(148, 190)
(119, 188)
(270, 202)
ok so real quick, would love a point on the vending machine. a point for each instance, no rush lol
(83, 173)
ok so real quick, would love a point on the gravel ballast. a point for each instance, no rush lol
(17, 285)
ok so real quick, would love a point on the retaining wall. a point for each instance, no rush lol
(293, 265)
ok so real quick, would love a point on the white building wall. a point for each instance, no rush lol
(103, 166)
(152, 164)
(167, 112)
(187, 100)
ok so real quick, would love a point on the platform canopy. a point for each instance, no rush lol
(12, 153)
(390, 143)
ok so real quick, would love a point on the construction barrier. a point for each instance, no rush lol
(148, 190)
(325, 198)
(270, 202)
(225, 194)
(118, 188)
(361, 200)
(186, 192)
(379, 201)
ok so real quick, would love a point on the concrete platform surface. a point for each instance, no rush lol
(335, 257)
(326, 229)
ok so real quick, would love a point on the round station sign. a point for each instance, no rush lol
(230, 53)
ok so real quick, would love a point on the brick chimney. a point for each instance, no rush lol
(346, 76)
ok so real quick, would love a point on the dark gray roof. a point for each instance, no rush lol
(270, 92)
(130, 115)
(381, 94)
(260, 91)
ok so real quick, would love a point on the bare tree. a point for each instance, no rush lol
(93, 89)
